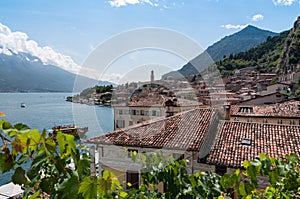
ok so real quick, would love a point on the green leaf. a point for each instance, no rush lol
(123, 194)
(226, 181)
(36, 195)
(39, 160)
(21, 127)
(256, 163)
(50, 146)
(273, 177)
(242, 190)
(88, 188)
(47, 185)
(246, 163)
(69, 187)
(61, 141)
(71, 143)
(35, 138)
(84, 166)
(6, 125)
(6, 161)
(292, 158)
(11, 133)
(19, 177)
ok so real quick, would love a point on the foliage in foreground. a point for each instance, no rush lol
(61, 169)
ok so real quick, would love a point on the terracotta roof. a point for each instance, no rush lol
(185, 131)
(276, 140)
(284, 109)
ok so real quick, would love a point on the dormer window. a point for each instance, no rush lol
(246, 142)
(246, 110)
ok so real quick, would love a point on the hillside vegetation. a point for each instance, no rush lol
(238, 42)
(278, 54)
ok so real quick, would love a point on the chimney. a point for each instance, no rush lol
(227, 111)
(170, 107)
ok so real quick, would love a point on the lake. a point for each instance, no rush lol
(44, 110)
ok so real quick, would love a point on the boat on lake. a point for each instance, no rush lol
(23, 105)
(71, 130)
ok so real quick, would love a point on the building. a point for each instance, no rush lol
(275, 88)
(181, 135)
(272, 98)
(200, 136)
(287, 112)
(149, 102)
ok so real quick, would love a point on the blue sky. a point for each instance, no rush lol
(76, 27)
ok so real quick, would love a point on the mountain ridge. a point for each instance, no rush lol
(240, 41)
(279, 54)
(23, 72)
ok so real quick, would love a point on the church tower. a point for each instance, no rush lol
(152, 77)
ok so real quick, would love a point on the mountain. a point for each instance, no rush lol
(23, 72)
(235, 43)
(279, 54)
(27, 67)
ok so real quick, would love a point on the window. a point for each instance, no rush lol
(133, 112)
(138, 112)
(157, 113)
(126, 112)
(147, 113)
(249, 120)
(246, 142)
(120, 124)
(120, 112)
(246, 110)
(221, 170)
(132, 177)
(292, 122)
(279, 121)
(142, 112)
(153, 113)
(130, 123)
(265, 121)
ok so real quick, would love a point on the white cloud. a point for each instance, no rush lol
(162, 4)
(119, 3)
(230, 26)
(18, 42)
(284, 2)
(258, 17)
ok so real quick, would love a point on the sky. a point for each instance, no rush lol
(74, 29)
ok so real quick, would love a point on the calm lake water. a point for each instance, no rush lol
(44, 110)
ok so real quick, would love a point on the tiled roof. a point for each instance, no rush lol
(185, 131)
(285, 109)
(276, 140)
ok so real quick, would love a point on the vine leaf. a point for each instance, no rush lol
(19, 177)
